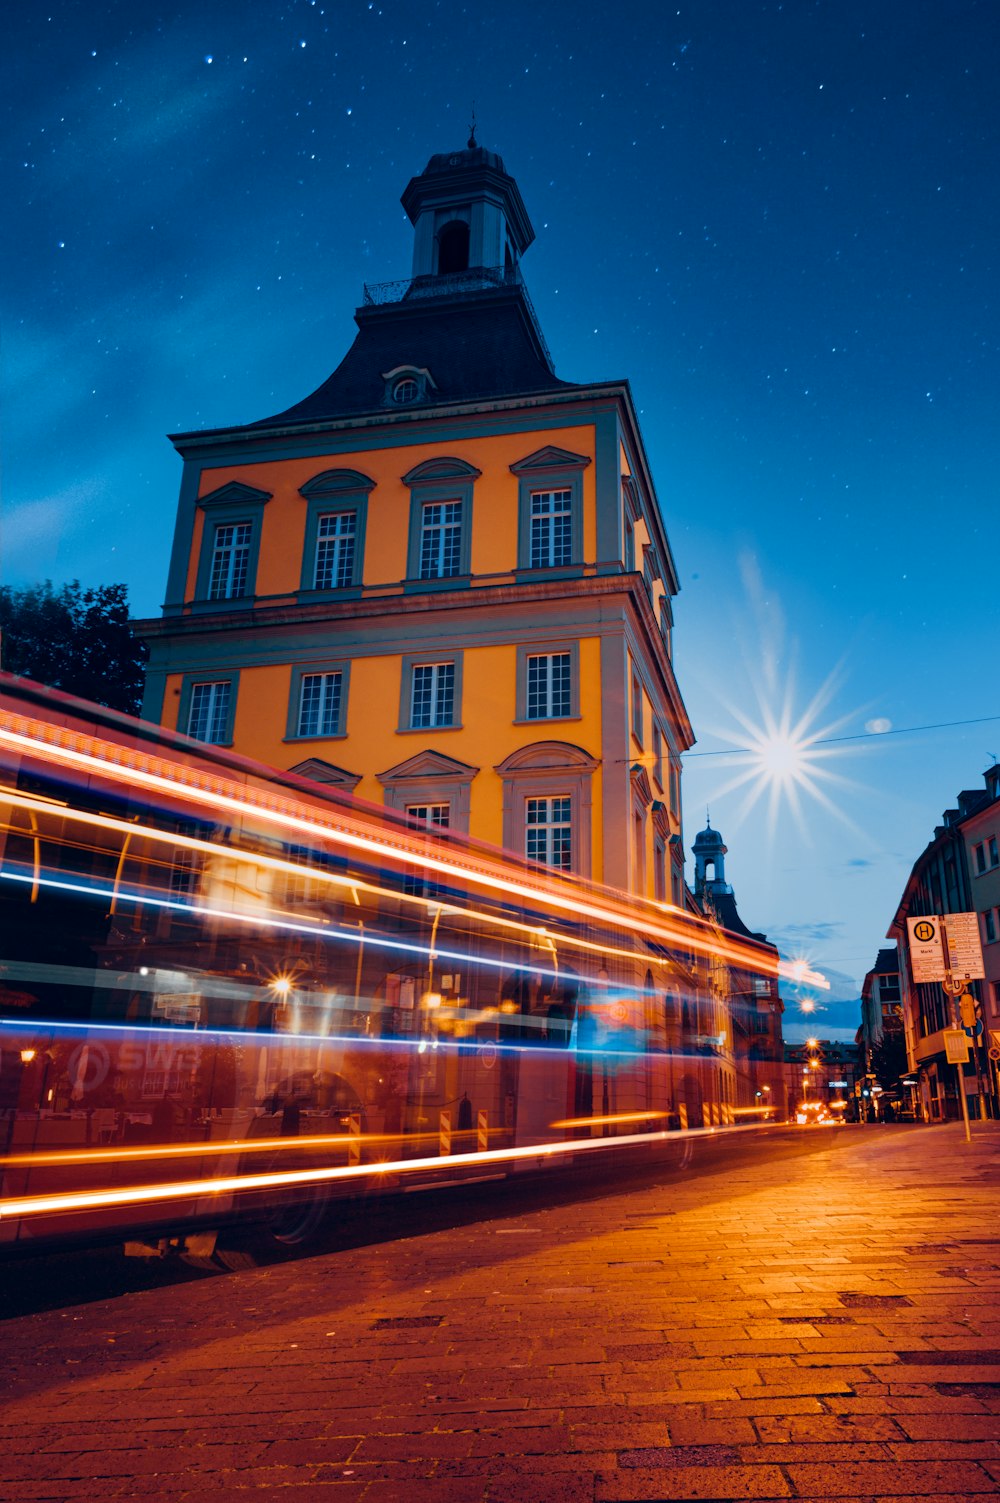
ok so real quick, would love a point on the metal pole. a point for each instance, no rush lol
(957, 1023)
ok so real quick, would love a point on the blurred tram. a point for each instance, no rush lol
(229, 994)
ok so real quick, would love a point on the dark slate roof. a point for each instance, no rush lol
(476, 346)
(725, 906)
(886, 962)
(472, 156)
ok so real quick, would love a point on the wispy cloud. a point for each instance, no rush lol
(34, 531)
(798, 934)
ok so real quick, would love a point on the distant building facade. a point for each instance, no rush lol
(881, 1005)
(820, 1078)
(981, 835)
(442, 581)
(958, 872)
(745, 998)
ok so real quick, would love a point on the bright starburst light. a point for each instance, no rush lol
(783, 759)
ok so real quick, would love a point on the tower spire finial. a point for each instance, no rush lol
(472, 127)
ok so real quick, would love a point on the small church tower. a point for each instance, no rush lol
(467, 213)
(710, 864)
(748, 993)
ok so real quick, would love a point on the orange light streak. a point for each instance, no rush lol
(299, 869)
(113, 1155)
(128, 765)
(179, 1189)
(83, 1200)
(608, 1121)
(60, 1158)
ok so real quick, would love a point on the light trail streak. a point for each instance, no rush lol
(613, 1120)
(208, 1149)
(134, 1195)
(302, 871)
(126, 765)
(249, 858)
(291, 926)
(188, 1039)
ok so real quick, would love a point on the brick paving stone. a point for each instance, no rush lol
(885, 1479)
(799, 1329)
(731, 1482)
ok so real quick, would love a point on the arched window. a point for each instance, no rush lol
(453, 248)
(547, 804)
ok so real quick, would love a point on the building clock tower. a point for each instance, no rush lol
(442, 580)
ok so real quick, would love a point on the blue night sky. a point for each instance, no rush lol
(779, 221)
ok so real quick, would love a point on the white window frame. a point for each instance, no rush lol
(555, 828)
(328, 711)
(335, 555)
(441, 525)
(547, 769)
(410, 663)
(530, 652)
(637, 718)
(550, 541)
(229, 567)
(550, 472)
(219, 719)
(437, 682)
(322, 670)
(436, 814)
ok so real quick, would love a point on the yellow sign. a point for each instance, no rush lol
(956, 1045)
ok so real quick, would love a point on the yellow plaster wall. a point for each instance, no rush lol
(494, 535)
(373, 744)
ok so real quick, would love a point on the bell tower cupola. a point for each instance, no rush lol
(709, 863)
(467, 215)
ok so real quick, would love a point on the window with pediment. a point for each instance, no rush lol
(230, 543)
(433, 782)
(336, 520)
(547, 804)
(440, 543)
(550, 509)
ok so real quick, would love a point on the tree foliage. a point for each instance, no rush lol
(77, 640)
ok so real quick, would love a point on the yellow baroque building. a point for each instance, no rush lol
(442, 581)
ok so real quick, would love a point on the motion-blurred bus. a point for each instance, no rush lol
(228, 993)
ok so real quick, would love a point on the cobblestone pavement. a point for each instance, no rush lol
(823, 1326)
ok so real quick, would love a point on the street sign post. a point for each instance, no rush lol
(946, 948)
(926, 953)
(964, 951)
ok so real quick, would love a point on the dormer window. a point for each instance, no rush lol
(407, 384)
